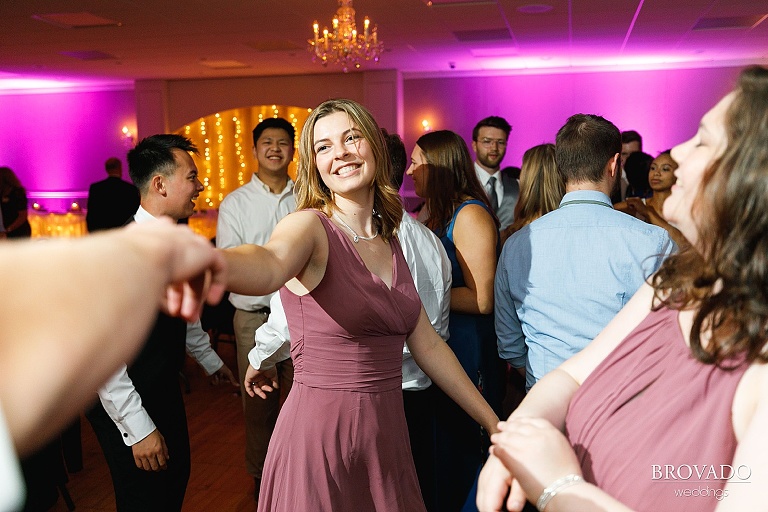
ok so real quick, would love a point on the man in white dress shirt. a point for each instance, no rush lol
(431, 271)
(140, 421)
(247, 216)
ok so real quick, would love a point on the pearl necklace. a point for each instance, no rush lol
(355, 237)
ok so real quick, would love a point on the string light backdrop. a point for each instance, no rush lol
(225, 145)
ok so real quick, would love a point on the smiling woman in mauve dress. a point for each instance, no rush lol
(341, 441)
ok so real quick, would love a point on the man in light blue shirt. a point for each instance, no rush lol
(562, 278)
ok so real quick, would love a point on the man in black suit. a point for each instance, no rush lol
(112, 201)
(489, 142)
(140, 421)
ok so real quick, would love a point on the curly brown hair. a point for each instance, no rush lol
(726, 277)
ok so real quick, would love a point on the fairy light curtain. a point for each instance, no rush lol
(225, 144)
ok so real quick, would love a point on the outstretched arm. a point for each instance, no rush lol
(291, 252)
(108, 286)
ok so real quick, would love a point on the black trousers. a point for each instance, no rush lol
(421, 419)
(459, 453)
(137, 490)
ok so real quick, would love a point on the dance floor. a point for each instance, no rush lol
(217, 437)
(219, 480)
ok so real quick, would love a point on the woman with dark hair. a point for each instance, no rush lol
(460, 214)
(661, 178)
(677, 382)
(637, 166)
(13, 201)
(341, 440)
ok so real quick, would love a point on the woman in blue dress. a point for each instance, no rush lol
(458, 210)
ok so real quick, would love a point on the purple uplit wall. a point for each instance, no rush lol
(58, 142)
(665, 106)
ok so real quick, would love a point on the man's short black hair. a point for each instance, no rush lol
(632, 136)
(274, 122)
(154, 155)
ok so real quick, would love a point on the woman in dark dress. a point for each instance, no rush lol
(459, 213)
(13, 201)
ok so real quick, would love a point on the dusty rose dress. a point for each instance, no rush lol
(651, 422)
(341, 441)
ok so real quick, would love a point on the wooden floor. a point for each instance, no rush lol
(219, 480)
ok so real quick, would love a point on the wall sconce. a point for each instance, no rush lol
(127, 138)
(425, 125)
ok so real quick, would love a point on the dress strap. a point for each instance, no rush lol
(449, 233)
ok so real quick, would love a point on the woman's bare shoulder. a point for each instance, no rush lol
(751, 398)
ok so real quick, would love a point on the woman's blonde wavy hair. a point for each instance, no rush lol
(312, 192)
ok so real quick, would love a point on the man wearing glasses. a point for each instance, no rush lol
(489, 142)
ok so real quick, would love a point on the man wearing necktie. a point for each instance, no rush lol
(489, 142)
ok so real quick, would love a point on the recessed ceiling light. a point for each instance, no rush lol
(534, 8)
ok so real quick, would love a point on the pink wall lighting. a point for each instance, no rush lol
(59, 141)
(665, 106)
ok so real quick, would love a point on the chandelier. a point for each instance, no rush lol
(344, 45)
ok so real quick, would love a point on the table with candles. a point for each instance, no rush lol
(72, 224)
(57, 225)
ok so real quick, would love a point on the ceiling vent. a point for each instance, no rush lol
(457, 3)
(76, 20)
(474, 36)
(742, 22)
(89, 55)
(224, 64)
(506, 51)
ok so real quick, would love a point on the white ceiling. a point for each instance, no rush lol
(159, 39)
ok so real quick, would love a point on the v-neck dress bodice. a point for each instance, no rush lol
(341, 441)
